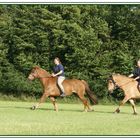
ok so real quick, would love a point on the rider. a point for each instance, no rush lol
(59, 71)
(136, 74)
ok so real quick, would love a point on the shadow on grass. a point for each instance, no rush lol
(43, 109)
(61, 110)
(111, 112)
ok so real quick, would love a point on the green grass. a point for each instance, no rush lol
(17, 119)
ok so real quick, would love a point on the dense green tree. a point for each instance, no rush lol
(92, 41)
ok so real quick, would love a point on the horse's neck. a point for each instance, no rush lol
(44, 77)
(122, 80)
(45, 73)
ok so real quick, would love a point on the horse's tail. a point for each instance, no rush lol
(90, 94)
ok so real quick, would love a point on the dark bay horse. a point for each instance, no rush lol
(129, 87)
(50, 88)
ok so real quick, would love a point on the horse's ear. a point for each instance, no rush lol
(109, 76)
(113, 73)
(36, 67)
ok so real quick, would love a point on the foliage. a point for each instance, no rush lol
(92, 42)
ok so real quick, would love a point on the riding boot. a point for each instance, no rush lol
(63, 95)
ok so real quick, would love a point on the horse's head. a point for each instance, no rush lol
(111, 84)
(34, 73)
(38, 72)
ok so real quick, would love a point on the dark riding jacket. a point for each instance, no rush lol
(136, 73)
(58, 68)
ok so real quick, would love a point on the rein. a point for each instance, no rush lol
(115, 84)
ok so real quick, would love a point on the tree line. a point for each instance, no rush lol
(92, 42)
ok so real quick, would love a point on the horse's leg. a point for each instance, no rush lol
(88, 106)
(133, 106)
(85, 102)
(54, 103)
(122, 103)
(41, 101)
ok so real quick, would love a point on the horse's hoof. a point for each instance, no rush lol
(33, 107)
(118, 110)
(135, 113)
(56, 110)
(90, 110)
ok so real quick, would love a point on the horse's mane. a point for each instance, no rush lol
(37, 67)
(123, 76)
(46, 72)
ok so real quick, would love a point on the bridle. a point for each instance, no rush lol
(115, 84)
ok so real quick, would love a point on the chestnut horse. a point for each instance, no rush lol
(129, 87)
(50, 88)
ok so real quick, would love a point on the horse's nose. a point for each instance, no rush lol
(30, 77)
(110, 92)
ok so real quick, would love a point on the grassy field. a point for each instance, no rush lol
(17, 119)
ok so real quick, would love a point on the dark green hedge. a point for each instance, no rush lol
(92, 41)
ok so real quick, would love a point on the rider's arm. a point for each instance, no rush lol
(58, 73)
(61, 68)
(131, 75)
(138, 77)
